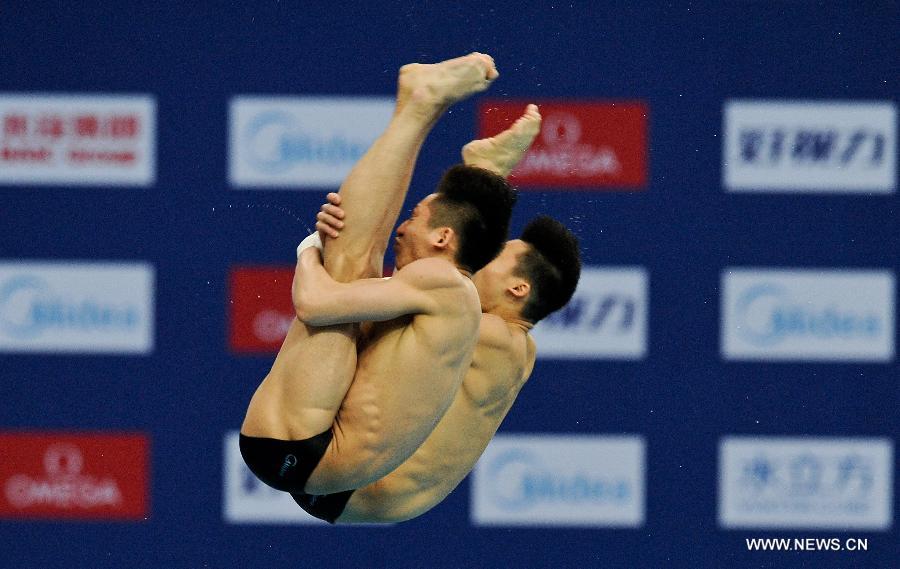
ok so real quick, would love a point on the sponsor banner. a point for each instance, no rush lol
(248, 501)
(585, 481)
(106, 140)
(810, 146)
(812, 315)
(606, 318)
(301, 142)
(805, 482)
(74, 476)
(260, 308)
(582, 144)
(76, 307)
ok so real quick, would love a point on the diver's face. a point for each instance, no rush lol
(498, 275)
(413, 236)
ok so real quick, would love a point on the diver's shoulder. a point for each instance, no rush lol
(432, 272)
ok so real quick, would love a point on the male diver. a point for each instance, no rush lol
(346, 403)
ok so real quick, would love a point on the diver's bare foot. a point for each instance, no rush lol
(434, 87)
(501, 153)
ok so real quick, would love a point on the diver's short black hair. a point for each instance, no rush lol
(552, 265)
(477, 205)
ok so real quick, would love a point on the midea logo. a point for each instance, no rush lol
(768, 315)
(28, 307)
(520, 481)
(275, 143)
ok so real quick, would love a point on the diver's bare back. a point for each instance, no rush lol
(407, 372)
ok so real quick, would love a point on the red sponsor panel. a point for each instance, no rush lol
(260, 308)
(597, 145)
(51, 475)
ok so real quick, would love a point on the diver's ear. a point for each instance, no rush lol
(443, 236)
(520, 290)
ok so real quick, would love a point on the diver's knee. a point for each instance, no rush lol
(346, 266)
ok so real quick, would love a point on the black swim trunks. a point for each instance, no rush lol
(326, 506)
(284, 465)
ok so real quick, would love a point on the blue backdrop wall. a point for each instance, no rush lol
(683, 60)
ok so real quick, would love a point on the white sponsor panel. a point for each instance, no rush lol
(805, 482)
(580, 481)
(248, 500)
(105, 140)
(807, 315)
(76, 307)
(301, 142)
(810, 146)
(606, 318)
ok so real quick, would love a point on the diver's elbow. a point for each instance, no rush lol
(307, 309)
